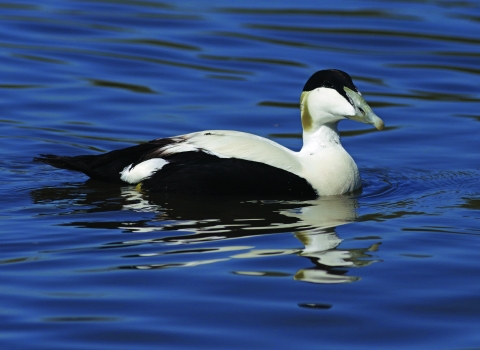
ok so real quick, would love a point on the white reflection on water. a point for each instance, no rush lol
(313, 223)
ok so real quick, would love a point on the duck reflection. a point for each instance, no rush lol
(198, 222)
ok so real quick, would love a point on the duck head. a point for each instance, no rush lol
(330, 96)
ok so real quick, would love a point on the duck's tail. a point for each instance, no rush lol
(103, 167)
(60, 161)
(88, 164)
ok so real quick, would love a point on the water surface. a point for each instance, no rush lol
(89, 265)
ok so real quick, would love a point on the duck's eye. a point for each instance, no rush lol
(327, 84)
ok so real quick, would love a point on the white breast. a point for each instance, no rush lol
(326, 164)
(331, 171)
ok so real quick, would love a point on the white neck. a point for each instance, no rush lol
(323, 137)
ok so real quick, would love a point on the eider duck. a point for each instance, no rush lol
(218, 162)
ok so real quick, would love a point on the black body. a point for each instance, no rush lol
(193, 172)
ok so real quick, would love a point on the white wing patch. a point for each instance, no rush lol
(183, 146)
(142, 170)
(178, 148)
(236, 144)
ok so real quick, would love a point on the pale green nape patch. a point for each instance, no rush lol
(139, 187)
(307, 121)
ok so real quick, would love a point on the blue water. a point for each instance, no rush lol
(85, 265)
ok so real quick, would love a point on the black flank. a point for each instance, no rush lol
(204, 174)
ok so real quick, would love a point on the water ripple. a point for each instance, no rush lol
(88, 264)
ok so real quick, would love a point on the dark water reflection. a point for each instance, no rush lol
(88, 265)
